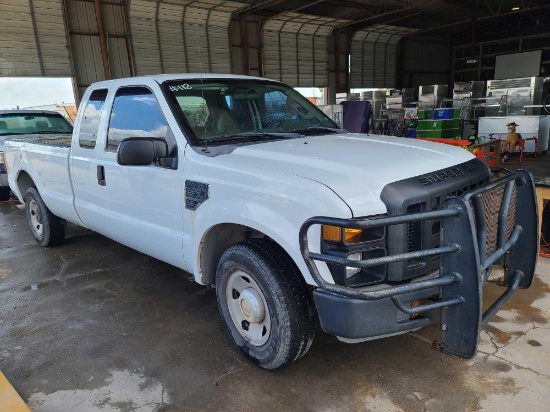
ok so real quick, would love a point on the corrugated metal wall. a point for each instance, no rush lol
(295, 48)
(138, 37)
(32, 39)
(181, 38)
(246, 46)
(85, 41)
(425, 60)
(374, 56)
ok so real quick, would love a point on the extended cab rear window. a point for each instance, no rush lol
(90, 120)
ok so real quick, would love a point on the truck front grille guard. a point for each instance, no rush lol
(469, 246)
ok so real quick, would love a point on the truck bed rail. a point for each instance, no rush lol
(45, 140)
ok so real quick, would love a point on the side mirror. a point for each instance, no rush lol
(141, 151)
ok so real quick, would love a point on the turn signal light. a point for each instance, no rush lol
(334, 234)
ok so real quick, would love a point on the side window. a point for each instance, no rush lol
(90, 121)
(135, 113)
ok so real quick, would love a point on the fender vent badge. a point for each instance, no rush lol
(195, 194)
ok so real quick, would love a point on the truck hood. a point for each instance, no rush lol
(355, 166)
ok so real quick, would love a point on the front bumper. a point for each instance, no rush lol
(492, 224)
(368, 319)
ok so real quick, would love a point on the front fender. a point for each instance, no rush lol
(284, 233)
(281, 225)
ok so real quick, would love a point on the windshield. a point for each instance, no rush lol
(30, 123)
(222, 109)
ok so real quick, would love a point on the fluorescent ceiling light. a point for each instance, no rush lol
(515, 8)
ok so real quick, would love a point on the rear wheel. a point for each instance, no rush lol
(5, 194)
(264, 303)
(47, 229)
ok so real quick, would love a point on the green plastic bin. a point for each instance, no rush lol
(425, 114)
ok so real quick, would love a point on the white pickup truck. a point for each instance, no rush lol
(248, 186)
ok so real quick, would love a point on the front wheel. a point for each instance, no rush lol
(264, 303)
(47, 228)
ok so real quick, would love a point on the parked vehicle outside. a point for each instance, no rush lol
(27, 123)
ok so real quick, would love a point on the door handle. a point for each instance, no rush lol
(101, 175)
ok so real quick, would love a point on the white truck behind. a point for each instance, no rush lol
(27, 124)
(248, 186)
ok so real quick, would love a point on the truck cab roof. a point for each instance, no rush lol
(160, 78)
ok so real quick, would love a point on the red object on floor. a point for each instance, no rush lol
(452, 142)
(521, 147)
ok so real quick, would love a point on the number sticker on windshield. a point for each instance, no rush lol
(180, 87)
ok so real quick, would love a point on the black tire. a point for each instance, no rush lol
(50, 230)
(5, 194)
(290, 309)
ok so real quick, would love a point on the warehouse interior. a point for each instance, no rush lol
(301, 43)
(95, 325)
(388, 50)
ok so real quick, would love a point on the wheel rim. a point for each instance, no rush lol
(248, 308)
(36, 218)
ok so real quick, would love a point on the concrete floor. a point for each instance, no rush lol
(94, 326)
(539, 167)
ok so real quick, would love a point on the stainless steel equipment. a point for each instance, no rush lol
(378, 99)
(430, 97)
(521, 92)
(466, 90)
(399, 98)
(346, 97)
(334, 111)
(529, 126)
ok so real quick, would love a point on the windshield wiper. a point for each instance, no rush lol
(316, 129)
(261, 135)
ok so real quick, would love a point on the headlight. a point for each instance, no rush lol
(355, 244)
(335, 234)
(350, 271)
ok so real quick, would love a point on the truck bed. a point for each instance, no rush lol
(46, 160)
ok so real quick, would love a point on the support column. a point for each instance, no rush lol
(102, 40)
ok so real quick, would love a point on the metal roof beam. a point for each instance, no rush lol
(261, 6)
(296, 9)
(496, 16)
(350, 4)
(388, 13)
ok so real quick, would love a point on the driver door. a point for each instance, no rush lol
(139, 206)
